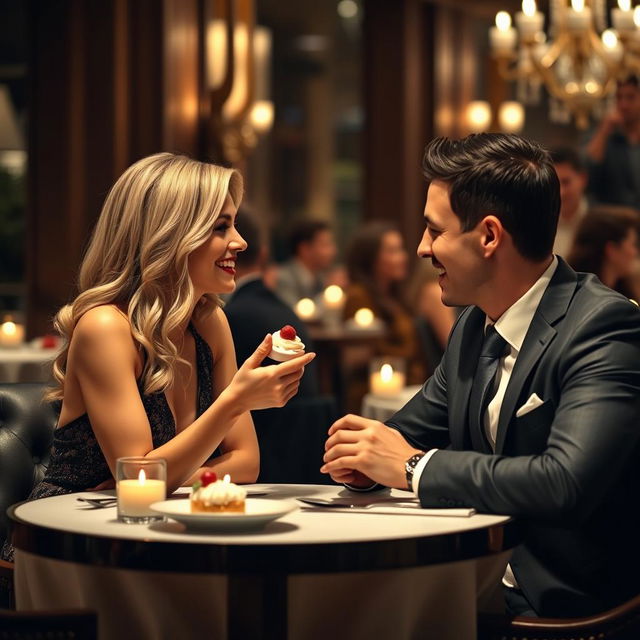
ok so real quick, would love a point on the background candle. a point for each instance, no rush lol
(364, 317)
(333, 297)
(305, 308)
(11, 334)
(386, 381)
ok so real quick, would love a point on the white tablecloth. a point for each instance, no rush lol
(26, 364)
(383, 407)
(435, 601)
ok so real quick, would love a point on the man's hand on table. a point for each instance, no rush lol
(360, 452)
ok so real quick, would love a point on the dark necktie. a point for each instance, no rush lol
(494, 347)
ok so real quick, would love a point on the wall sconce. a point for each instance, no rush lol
(478, 116)
(511, 117)
(238, 60)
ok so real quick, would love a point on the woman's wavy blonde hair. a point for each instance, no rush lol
(159, 211)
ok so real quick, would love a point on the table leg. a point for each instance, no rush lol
(257, 606)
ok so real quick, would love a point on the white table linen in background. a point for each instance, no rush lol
(26, 364)
(383, 407)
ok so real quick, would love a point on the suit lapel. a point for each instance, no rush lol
(552, 308)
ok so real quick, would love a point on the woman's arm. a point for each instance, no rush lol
(241, 456)
(103, 360)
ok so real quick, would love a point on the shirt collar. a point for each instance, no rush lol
(514, 323)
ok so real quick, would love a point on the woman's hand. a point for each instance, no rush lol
(256, 387)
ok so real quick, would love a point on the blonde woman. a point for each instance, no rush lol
(148, 367)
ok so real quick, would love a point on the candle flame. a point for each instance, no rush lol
(636, 16)
(142, 476)
(9, 328)
(386, 372)
(305, 308)
(227, 478)
(333, 293)
(577, 5)
(609, 39)
(528, 7)
(503, 21)
(363, 317)
(625, 5)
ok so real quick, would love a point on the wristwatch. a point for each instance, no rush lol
(410, 467)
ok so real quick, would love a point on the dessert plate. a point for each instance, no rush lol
(258, 513)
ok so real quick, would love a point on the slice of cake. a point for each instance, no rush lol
(286, 344)
(210, 495)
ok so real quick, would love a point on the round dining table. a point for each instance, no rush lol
(382, 568)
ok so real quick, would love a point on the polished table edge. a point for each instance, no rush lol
(298, 558)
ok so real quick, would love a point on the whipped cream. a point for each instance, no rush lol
(219, 493)
(288, 346)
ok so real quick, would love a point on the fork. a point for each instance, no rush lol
(99, 503)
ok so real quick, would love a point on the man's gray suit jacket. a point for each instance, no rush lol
(570, 469)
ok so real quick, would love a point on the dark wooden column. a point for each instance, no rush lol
(398, 72)
(100, 74)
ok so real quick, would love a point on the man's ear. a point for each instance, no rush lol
(492, 234)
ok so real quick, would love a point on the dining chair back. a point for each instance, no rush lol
(26, 432)
(65, 624)
(620, 623)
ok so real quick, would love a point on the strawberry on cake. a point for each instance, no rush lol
(210, 495)
(286, 344)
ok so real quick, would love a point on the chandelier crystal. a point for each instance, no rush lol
(578, 59)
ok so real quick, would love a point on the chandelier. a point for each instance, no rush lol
(578, 60)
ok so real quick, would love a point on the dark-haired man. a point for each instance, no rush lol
(533, 410)
(614, 150)
(313, 251)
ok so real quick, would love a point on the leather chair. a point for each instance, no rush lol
(65, 624)
(26, 432)
(620, 623)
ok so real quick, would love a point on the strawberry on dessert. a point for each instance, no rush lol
(286, 344)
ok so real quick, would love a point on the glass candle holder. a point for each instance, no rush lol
(139, 483)
(387, 376)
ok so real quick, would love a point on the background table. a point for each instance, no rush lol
(315, 573)
(26, 364)
(383, 407)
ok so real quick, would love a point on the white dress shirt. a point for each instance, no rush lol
(512, 325)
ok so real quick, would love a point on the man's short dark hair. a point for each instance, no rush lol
(249, 228)
(567, 155)
(305, 231)
(503, 175)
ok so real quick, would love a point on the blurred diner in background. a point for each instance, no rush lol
(323, 108)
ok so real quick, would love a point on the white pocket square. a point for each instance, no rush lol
(532, 403)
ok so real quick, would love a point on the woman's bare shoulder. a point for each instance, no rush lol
(214, 328)
(103, 325)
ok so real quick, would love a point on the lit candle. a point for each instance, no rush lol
(363, 317)
(11, 334)
(529, 21)
(579, 16)
(503, 35)
(387, 381)
(622, 17)
(305, 309)
(135, 496)
(333, 297)
(612, 47)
